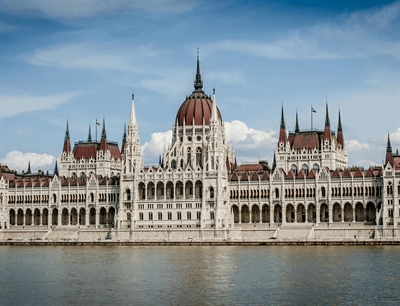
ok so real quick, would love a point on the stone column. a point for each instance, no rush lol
(283, 214)
(354, 214)
(50, 219)
(87, 214)
(306, 212)
(330, 210)
(240, 216)
(97, 218)
(59, 217)
(260, 215)
(317, 214)
(365, 215)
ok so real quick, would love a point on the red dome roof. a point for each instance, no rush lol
(196, 107)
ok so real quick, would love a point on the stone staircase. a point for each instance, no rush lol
(62, 233)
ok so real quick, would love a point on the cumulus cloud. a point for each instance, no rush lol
(355, 146)
(153, 148)
(19, 161)
(12, 105)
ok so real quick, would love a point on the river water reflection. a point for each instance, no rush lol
(195, 275)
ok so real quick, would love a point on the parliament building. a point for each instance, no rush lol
(100, 190)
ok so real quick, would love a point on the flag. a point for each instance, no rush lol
(313, 109)
(97, 123)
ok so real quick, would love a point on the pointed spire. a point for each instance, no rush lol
(214, 115)
(198, 83)
(123, 139)
(340, 138)
(67, 133)
(339, 123)
(327, 130)
(132, 121)
(274, 162)
(56, 169)
(67, 143)
(29, 168)
(282, 119)
(282, 132)
(389, 154)
(103, 131)
(89, 139)
(389, 145)
(297, 129)
(327, 122)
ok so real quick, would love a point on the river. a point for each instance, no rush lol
(200, 275)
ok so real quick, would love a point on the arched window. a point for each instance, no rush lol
(305, 169)
(128, 194)
(169, 215)
(189, 156)
(211, 215)
(199, 157)
(294, 169)
(198, 215)
(211, 193)
(141, 216)
(189, 215)
(150, 216)
(276, 193)
(159, 215)
(316, 167)
(179, 215)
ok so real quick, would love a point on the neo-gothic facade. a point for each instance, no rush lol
(198, 183)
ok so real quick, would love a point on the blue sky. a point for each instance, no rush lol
(81, 60)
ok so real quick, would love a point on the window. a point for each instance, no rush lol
(211, 193)
(169, 215)
(211, 215)
(198, 215)
(179, 215)
(128, 194)
(159, 215)
(150, 216)
(141, 216)
(189, 215)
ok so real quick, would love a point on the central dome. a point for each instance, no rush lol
(196, 109)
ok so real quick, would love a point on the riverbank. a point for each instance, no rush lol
(202, 243)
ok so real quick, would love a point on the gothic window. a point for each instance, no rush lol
(211, 193)
(150, 216)
(169, 215)
(179, 215)
(160, 215)
(316, 167)
(141, 216)
(128, 194)
(389, 188)
(305, 169)
(294, 169)
(189, 215)
(211, 215)
(189, 156)
(198, 215)
(199, 157)
(277, 193)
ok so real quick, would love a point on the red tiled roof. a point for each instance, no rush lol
(89, 150)
(250, 167)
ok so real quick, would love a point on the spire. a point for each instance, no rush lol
(89, 139)
(29, 168)
(327, 130)
(56, 169)
(327, 122)
(132, 120)
(389, 154)
(340, 138)
(198, 83)
(339, 123)
(214, 115)
(67, 143)
(67, 133)
(282, 119)
(297, 129)
(103, 131)
(282, 132)
(389, 145)
(274, 162)
(123, 139)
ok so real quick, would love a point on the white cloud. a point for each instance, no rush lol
(362, 34)
(12, 105)
(154, 148)
(91, 55)
(19, 161)
(227, 77)
(65, 10)
(395, 138)
(355, 145)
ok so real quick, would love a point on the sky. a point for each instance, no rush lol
(81, 60)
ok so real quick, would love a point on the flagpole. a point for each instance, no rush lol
(96, 130)
(311, 118)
